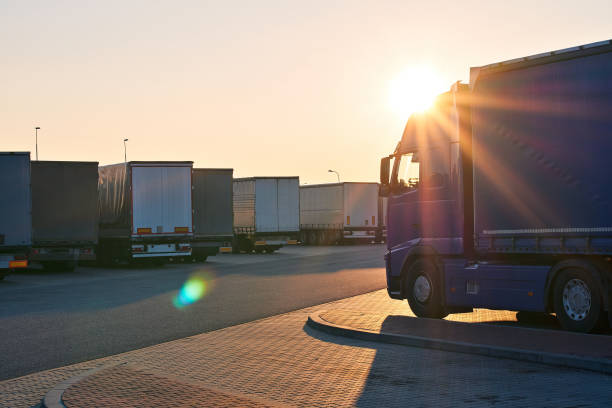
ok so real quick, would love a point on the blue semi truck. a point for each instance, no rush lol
(500, 197)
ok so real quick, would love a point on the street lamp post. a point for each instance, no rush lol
(337, 174)
(125, 150)
(36, 130)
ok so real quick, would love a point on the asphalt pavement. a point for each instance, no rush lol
(51, 320)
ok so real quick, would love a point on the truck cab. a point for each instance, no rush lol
(423, 180)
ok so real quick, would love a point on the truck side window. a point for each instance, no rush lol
(434, 169)
(406, 172)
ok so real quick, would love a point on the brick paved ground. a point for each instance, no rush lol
(280, 360)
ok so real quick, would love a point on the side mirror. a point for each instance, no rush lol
(385, 164)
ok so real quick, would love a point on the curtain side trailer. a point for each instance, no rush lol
(266, 213)
(64, 213)
(15, 211)
(339, 213)
(145, 211)
(213, 217)
(499, 197)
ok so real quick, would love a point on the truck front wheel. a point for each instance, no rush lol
(423, 289)
(577, 301)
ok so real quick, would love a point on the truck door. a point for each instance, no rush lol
(403, 200)
(419, 204)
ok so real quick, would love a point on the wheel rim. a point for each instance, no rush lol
(576, 299)
(421, 289)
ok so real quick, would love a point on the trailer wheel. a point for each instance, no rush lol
(423, 289)
(577, 301)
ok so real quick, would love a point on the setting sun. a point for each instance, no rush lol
(414, 90)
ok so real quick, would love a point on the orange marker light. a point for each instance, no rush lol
(18, 264)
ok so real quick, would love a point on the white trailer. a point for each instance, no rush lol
(266, 213)
(15, 211)
(145, 210)
(339, 212)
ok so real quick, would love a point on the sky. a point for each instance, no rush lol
(269, 88)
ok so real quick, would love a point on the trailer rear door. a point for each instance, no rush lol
(161, 200)
(266, 205)
(288, 204)
(360, 204)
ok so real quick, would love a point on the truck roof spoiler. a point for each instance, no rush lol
(542, 58)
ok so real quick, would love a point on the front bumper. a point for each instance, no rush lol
(394, 289)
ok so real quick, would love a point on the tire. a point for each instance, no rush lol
(423, 289)
(577, 301)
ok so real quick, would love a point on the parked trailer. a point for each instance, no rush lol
(511, 207)
(15, 211)
(145, 211)
(213, 216)
(339, 212)
(266, 213)
(64, 213)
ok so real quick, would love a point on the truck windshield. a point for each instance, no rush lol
(406, 176)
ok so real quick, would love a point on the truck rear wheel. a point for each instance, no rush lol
(577, 301)
(423, 289)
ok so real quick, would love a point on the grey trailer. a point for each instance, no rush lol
(266, 213)
(15, 211)
(145, 211)
(336, 213)
(213, 216)
(64, 213)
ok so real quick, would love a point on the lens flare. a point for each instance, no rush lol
(193, 290)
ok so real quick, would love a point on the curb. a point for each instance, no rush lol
(563, 360)
(53, 398)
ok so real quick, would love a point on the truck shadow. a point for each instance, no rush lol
(402, 376)
(399, 375)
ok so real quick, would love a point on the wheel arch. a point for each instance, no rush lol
(419, 252)
(598, 269)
